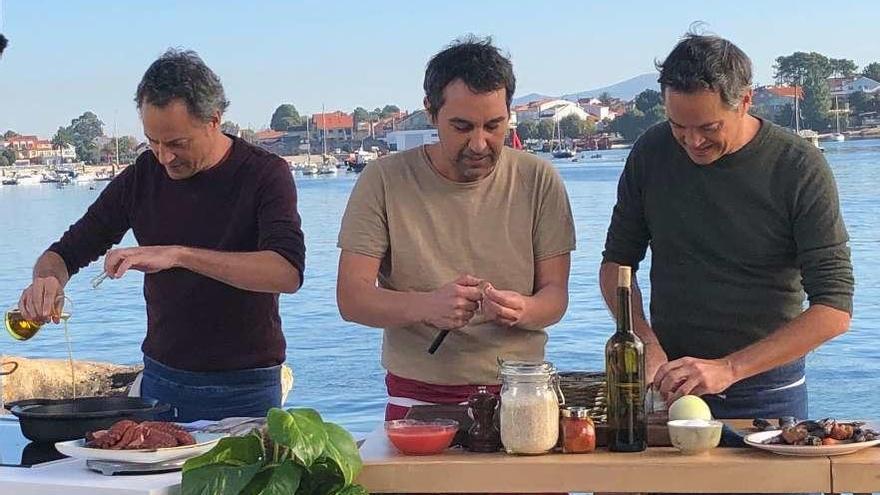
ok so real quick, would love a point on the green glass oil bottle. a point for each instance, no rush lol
(625, 375)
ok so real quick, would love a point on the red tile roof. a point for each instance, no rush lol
(786, 91)
(268, 134)
(334, 120)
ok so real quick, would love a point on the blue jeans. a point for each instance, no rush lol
(779, 392)
(195, 395)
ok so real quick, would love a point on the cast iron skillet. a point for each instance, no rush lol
(57, 420)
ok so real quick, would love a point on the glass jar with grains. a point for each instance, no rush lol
(529, 407)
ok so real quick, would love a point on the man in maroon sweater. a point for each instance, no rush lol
(219, 238)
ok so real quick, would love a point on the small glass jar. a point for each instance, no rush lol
(529, 407)
(577, 430)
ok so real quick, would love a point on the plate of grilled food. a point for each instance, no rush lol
(811, 438)
(144, 442)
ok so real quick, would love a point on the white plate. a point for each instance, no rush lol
(755, 440)
(78, 450)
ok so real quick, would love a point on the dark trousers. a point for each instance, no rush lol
(779, 392)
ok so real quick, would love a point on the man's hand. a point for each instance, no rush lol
(42, 300)
(693, 376)
(452, 306)
(504, 307)
(147, 259)
(655, 357)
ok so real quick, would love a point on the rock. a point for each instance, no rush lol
(50, 379)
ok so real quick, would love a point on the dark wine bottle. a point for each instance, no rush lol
(625, 375)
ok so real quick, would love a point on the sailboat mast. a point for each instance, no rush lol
(837, 113)
(116, 138)
(324, 130)
(308, 143)
(797, 123)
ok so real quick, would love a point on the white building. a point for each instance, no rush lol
(555, 110)
(405, 140)
(845, 86)
(598, 111)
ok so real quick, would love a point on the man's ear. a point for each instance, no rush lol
(746, 102)
(427, 106)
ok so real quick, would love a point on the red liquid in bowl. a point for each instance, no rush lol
(421, 439)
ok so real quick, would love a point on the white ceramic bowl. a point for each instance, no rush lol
(694, 436)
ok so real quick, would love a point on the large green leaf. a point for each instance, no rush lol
(225, 469)
(324, 477)
(353, 490)
(301, 430)
(282, 479)
(255, 487)
(285, 479)
(342, 448)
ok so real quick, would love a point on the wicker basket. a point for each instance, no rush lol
(585, 389)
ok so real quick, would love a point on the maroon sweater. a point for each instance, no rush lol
(245, 203)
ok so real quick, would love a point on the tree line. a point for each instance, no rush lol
(82, 133)
(287, 116)
(810, 72)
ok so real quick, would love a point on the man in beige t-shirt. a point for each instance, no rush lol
(463, 235)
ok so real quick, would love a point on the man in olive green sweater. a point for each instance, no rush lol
(742, 218)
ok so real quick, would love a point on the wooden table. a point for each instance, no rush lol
(661, 469)
(856, 473)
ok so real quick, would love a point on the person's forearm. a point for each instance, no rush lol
(260, 271)
(793, 340)
(51, 264)
(544, 308)
(608, 285)
(380, 308)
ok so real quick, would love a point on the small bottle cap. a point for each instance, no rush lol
(577, 412)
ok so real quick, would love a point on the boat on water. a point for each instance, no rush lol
(9, 181)
(53, 178)
(326, 169)
(810, 135)
(837, 136)
(83, 178)
(563, 153)
(29, 179)
(360, 159)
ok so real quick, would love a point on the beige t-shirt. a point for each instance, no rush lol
(428, 230)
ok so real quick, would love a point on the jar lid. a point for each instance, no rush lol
(527, 369)
(577, 412)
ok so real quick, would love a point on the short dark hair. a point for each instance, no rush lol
(476, 62)
(707, 62)
(182, 74)
(3, 43)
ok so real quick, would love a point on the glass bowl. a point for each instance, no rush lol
(421, 437)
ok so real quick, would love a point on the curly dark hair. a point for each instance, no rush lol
(707, 62)
(182, 74)
(4, 42)
(476, 62)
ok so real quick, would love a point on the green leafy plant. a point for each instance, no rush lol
(297, 453)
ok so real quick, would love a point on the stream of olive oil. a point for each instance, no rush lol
(70, 358)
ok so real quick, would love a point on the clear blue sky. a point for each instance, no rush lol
(66, 57)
